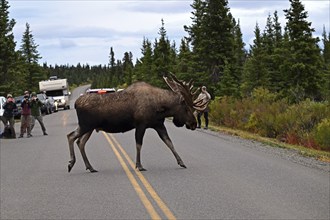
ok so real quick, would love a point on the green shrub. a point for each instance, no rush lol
(322, 134)
(220, 111)
(230, 112)
(262, 113)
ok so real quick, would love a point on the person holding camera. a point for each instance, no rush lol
(26, 116)
(36, 104)
(206, 97)
(8, 116)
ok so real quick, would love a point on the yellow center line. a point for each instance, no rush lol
(147, 204)
(146, 184)
(64, 119)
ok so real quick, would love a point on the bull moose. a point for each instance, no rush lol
(139, 106)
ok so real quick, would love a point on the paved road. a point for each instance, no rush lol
(226, 178)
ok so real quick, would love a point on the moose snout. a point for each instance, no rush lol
(191, 126)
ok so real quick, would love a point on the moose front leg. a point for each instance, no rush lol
(139, 133)
(162, 132)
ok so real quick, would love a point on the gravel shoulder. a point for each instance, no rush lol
(288, 154)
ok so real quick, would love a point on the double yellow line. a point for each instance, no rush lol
(146, 202)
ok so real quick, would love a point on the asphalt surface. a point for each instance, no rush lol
(226, 177)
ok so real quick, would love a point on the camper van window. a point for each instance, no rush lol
(54, 93)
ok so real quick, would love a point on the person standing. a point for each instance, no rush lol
(8, 115)
(26, 116)
(206, 97)
(36, 113)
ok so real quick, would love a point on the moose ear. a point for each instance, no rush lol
(171, 84)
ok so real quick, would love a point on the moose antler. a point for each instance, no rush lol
(186, 90)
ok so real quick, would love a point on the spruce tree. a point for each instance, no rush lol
(239, 58)
(31, 57)
(112, 63)
(212, 35)
(326, 60)
(8, 55)
(196, 38)
(303, 68)
(162, 57)
(128, 68)
(219, 43)
(276, 79)
(277, 30)
(255, 69)
(143, 67)
(184, 61)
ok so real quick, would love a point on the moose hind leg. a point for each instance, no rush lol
(72, 136)
(162, 132)
(81, 144)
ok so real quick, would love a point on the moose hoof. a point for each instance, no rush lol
(182, 165)
(70, 167)
(92, 170)
(140, 168)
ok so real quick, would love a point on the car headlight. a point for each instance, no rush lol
(63, 100)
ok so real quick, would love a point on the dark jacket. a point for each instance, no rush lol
(26, 107)
(35, 107)
(9, 108)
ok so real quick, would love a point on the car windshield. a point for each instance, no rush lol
(18, 99)
(41, 96)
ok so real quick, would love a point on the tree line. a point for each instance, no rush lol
(285, 59)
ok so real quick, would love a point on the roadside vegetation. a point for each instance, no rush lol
(305, 123)
(275, 121)
(279, 88)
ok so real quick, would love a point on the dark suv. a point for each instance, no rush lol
(18, 110)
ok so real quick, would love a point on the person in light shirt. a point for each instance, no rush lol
(206, 97)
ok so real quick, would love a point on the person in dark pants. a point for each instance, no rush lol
(206, 97)
(8, 115)
(26, 116)
(36, 113)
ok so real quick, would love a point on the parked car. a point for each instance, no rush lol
(51, 101)
(46, 107)
(18, 111)
(2, 101)
(101, 91)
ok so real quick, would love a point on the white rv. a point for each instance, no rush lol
(58, 89)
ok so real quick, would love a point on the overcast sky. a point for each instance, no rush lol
(73, 31)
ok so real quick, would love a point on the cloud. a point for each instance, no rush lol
(67, 43)
(83, 31)
(158, 7)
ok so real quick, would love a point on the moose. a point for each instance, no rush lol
(139, 106)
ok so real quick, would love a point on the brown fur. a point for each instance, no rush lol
(140, 106)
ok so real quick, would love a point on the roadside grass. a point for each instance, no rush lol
(308, 152)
